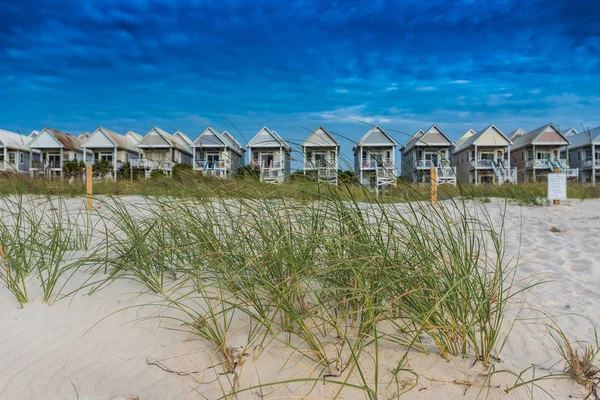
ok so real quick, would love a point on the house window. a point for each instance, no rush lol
(21, 158)
(106, 156)
(12, 157)
(388, 155)
(54, 160)
(364, 155)
(588, 155)
(579, 156)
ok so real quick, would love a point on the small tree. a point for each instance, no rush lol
(348, 178)
(73, 168)
(248, 171)
(102, 168)
(180, 170)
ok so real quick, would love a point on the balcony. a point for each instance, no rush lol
(150, 165)
(209, 165)
(482, 164)
(374, 164)
(541, 163)
(272, 166)
(591, 163)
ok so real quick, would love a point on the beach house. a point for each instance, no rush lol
(537, 153)
(110, 146)
(483, 157)
(217, 154)
(321, 152)
(55, 148)
(14, 153)
(426, 150)
(375, 159)
(584, 154)
(271, 155)
(159, 150)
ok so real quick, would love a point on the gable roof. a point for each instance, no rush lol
(180, 135)
(127, 142)
(209, 138)
(14, 141)
(64, 140)
(516, 133)
(320, 137)
(530, 138)
(583, 139)
(570, 132)
(267, 138)
(380, 136)
(472, 139)
(464, 137)
(177, 143)
(229, 137)
(33, 134)
(420, 139)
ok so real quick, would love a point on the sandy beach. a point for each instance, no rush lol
(116, 343)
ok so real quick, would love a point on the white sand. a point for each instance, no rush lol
(95, 347)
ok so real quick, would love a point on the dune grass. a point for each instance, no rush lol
(329, 273)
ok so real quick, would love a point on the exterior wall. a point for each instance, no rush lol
(520, 157)
(158, 154)
(410, 160)
(20, 160)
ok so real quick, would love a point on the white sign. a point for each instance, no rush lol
(557, 187)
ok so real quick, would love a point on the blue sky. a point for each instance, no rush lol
(294, 65)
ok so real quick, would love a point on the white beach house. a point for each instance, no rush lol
(160, 150)
(321, 153)
(375, 159)
(484, 157)
(14, 153)
(55, 148)
(271, 154)
(537, 153)
(426, 150)
(217, 154)
(584, 154)
(110, 146)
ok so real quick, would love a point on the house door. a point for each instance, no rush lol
(321, 160)
(213, 160)
(431, 159)
(266, 160)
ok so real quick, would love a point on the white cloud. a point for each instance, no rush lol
(342, 91)
(459, 82)
(426, 89)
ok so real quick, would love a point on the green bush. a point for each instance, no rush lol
(180, 170)
(102, 168)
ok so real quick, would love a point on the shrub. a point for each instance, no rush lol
(248, 171)
(102, 168)
(180, 170)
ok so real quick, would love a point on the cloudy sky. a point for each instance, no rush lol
(294, 65)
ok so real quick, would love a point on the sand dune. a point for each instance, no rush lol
(98, 346)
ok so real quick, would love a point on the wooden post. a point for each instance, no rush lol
(556, 202)
(433, 173)
(88, 185)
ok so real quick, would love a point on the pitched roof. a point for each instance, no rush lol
(472, 139)
(173, 142)
(127, 142)
(65, 140)
(183, 137)
(381, 134)
(267, 138)
(584, 139)
(14, 141)
(320, 137)
(464, 137)
(228, 136)
(516, 133)
(420, 139)
(209, 138)
(232, 144)
(531, 137)
(570, 132)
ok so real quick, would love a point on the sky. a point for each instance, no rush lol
(295, 65)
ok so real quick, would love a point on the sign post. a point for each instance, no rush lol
(88, 185)
(557, 187)
(433, 173)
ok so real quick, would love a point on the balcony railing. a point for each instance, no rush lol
(373, 164)
(147, 164)
(591, 163)
(538, 163)
(209, 165)
(273, 166)
(37, 164)
(482, 164)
